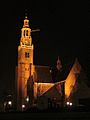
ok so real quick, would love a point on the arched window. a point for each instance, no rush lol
(26, 32)
(27, 55)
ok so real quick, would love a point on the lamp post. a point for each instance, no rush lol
(27, 99)
(27, 102)
(10, 103)
(23, 107)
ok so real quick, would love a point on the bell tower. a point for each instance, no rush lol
(25, 62)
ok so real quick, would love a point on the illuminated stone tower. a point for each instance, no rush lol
(25, 62)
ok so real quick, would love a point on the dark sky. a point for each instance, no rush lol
(64, 31)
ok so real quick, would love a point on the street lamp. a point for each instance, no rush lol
(10, 103)
(68, 103)
(27, 99)
(23, 107)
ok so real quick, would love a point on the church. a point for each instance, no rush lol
(39, 85)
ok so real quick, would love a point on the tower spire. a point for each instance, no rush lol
(25, 13)
(26, 21)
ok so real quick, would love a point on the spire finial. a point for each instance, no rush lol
(26, 21)
(25, 13)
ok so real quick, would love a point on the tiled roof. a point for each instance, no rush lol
(43, 74)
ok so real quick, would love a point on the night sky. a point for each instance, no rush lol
(64, 32)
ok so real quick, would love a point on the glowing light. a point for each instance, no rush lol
(50, 71)
(23, 106)
(9, 102)
(68, 103)
(27, 99)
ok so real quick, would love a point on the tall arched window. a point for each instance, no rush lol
(26, 32)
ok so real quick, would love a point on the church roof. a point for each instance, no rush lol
(62, 75)
(43, 74)
(52, 93)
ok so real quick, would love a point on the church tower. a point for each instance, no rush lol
(25, 62)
